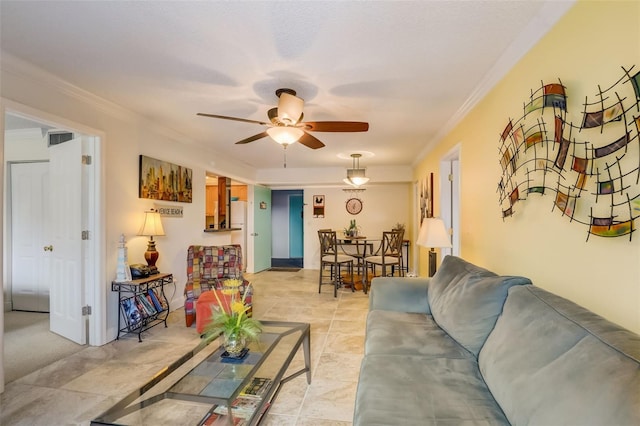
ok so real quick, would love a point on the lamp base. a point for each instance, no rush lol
(151, 255)
(433, 258)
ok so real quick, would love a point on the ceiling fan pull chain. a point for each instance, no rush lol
(285, 156)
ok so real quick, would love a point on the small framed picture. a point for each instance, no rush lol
(318, 206)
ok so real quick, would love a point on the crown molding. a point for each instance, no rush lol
(549, 14)
(34, 75)
(26, 70)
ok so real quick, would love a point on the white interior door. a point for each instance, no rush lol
(65, 214)
(29, 260)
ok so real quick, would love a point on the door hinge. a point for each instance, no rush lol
(86, 310)
(85, 235)
(86, 159)
(450, 177)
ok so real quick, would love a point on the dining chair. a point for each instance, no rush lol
(329, 257)
(389, 257)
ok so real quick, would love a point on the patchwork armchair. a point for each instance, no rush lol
(207, 269)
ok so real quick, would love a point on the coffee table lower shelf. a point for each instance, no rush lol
(201, 388)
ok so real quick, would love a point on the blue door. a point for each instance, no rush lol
(296, 234)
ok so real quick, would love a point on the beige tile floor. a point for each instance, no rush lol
(80, 387)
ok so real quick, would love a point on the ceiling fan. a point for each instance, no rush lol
(285, 124)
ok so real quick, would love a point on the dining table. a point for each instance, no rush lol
(359, 247)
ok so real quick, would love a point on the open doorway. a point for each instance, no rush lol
(34, 200)
(450, 198)
(287, 223)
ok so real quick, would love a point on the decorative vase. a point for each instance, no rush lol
(234, 343)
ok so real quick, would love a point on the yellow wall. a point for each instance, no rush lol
(587, 48)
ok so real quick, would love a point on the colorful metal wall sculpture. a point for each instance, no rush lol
(592, 168)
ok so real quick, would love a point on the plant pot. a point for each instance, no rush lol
(234, 343)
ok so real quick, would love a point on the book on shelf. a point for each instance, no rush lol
(156, 302)
(257, 387)
(131, 313)
(148, 307)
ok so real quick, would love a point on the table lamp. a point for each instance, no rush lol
(433, 234)
(152, 226)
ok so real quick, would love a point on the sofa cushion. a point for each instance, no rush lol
(409, 390)
(550, 361)
(465, 300)
(398, 333)
(401, 294)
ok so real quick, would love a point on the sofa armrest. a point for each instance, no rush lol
(399, 294)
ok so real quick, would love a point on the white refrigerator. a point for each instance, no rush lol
(239, 220)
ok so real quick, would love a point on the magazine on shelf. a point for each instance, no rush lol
(161, 298)
(131, 313)
(257, 387)
(149, 309)
(242, 407)
(156, 302)
(215, 419)
(143, 312)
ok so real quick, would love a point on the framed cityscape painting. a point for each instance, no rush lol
(162, 180)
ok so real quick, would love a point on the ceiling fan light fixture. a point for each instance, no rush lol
(285, 135)
(289, 108)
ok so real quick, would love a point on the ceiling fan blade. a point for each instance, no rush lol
(224, 117)
(310, 141)
(335, 126)
(253, 138)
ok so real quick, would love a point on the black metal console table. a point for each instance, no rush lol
(142, 303)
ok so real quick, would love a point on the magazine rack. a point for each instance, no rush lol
(142, 303)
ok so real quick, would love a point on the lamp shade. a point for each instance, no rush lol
(289, 108)
(152, 224)
(356, 177)
(433, 233)
(285, 135)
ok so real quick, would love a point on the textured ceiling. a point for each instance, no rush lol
(408, 68)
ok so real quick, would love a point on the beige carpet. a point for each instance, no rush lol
(29, 345)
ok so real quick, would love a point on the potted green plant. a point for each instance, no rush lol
(231, 319)
(352, 230)
(398, 227)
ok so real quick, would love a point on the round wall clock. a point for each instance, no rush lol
(354, 205)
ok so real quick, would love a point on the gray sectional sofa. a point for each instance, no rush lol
(469, 347)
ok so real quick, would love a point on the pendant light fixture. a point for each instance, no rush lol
(356, 175)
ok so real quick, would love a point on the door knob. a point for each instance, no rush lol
(48, 248)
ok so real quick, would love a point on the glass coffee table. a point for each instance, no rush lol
(202, 388)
